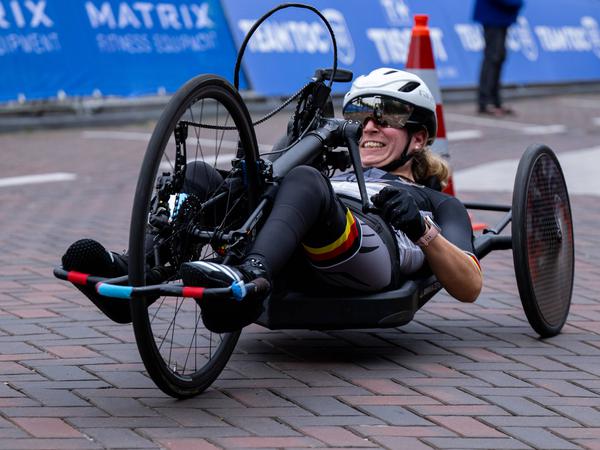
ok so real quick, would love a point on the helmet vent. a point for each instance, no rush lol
(390, 72)
(410, 86)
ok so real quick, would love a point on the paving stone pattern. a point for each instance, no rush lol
(457, 377)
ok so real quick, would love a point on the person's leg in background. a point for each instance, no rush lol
(489, 99)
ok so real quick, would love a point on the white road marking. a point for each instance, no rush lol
(35, 179)
(545, 129)
(596, 121)
(580, 168)
(145, 137)
(527, 128)
(463, 135)
(117, 135)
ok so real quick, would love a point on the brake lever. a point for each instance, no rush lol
(352, 132)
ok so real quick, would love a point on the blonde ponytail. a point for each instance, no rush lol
(427, 164)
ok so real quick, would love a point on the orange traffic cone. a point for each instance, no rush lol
(420, 62)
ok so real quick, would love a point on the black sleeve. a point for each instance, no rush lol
(452, 217)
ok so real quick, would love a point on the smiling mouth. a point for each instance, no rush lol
(373, 144)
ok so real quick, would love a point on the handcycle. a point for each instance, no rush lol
(207, 120)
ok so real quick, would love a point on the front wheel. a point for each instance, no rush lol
(543, 246)
(202, 129)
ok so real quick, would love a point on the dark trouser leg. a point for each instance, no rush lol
(201, 179)
(306, 210)
(491, 67)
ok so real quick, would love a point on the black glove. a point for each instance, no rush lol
(399, 209)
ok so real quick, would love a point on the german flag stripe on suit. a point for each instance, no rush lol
(345, 246)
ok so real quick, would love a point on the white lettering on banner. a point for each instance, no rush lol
(520, 38)
(101, 17)
(18, 14)
(3, 22)
(168, 16)
(392, 44)
(345, 44)
(127, 17)
(32, 43)
(571, 39)
(437, 42)
(201, 42)
(593, 32)
(397, 12)
(470, 37)
(24, 14)
(557, 39)
(287, 37)
(131, 43)
(142, 43)
(145, 10)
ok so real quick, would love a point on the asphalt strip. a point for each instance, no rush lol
(580, 168)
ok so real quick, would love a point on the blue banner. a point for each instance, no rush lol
(131, 47)
(109, 47)
(547, 45)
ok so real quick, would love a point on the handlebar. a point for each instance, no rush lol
(329, 133)
(117, 287)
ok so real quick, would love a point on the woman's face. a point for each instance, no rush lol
(381, 145)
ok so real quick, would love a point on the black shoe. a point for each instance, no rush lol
(89, 256)
(223, 315)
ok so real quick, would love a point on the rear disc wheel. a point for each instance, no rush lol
(543, 245)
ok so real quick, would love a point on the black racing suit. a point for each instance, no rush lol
(345, 248)
(316, 229)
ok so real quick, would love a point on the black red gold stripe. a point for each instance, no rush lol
(344, 246)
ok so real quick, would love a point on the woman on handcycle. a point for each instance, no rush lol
(313, 234)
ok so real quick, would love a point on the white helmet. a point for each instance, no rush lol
(404, 86)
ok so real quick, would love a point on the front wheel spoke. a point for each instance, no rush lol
(172, 323)
(192, 341)
(173, 328)
(158, 309)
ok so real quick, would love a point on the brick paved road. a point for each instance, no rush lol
(459, 376)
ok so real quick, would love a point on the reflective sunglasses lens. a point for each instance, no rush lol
(385, 111)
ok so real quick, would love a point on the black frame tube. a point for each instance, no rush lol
(501, 225)
(486, 206)
(486, 243)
